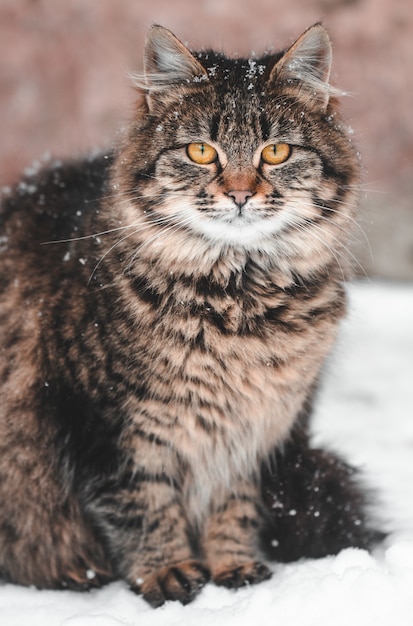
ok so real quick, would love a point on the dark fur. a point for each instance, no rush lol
(316, 503)
(154, 358)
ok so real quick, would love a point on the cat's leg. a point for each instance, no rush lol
(231, 540)
(140, 514)
(165, 567)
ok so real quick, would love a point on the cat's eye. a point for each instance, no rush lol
(201, 153)
(276, 153)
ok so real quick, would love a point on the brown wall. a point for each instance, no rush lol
(64, 87)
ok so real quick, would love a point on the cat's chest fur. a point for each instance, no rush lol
(226, 374)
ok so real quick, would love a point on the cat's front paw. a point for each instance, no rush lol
(182, 581)
(246, 574)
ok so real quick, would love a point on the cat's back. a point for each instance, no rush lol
(50, 204)
(44, 220)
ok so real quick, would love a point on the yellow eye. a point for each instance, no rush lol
(201, 153)
(276, 153)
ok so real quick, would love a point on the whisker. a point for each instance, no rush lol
(173, 225)
(102, 258)
(159, 220)
(346, 248)
(350, 219)
(304, 228)
(144, 226)
(94, 235)
(111, 230)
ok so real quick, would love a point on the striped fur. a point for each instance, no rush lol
(160, 344)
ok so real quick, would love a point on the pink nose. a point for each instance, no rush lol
(240, 197)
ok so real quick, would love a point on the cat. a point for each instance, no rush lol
(166, 310)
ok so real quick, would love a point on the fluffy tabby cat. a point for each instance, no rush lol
(159, 351)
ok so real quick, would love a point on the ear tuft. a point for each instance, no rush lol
(168, 62)
(308, 63)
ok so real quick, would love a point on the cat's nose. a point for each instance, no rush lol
(240, 197)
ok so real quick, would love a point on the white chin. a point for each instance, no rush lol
(239, 234)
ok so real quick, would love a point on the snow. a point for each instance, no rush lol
(365, 412)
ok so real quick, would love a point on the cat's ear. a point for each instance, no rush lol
(168, 62)
(307, 63)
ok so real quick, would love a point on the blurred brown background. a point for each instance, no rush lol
(64, 85)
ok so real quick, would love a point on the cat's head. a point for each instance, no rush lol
(241, 153)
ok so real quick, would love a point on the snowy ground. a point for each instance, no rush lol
(366, 412)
